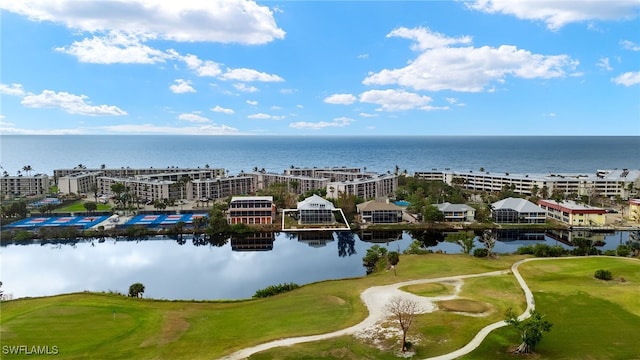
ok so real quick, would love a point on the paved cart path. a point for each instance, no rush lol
(376, 298)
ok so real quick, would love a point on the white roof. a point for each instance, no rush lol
(315, 202)
(453, 207)
(252, 198)
(517, 204)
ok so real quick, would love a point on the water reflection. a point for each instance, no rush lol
(227, 268)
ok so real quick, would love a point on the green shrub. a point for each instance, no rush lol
(623, 250)
(603, 274)
(480, 252)
(275, 290)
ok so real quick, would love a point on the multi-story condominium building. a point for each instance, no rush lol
(380, 211)
(572, 213)
(142, 189)
(342, 175)
(79, 183)
(132, 172)
(25, 185)
(222, 187)
(319, 172)
(517, 211)
(251, 210)
(608, 183)
(297, 184)
(366, 188)
(457, 212)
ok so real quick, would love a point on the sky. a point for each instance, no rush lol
(372, 68)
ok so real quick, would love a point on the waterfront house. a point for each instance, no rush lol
(379, 211)
(251, 210)
(457, 212)
(517, 211)
(571, 213)
(316, 210)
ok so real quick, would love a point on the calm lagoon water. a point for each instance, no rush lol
(174, 271)
(181, 270)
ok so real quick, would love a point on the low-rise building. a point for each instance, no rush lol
(572, 213)
(457, 212)
(251, 210)
(517, 211)
(380, 211)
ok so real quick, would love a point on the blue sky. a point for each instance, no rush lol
(481, 67)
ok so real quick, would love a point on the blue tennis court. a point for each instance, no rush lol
(83, 222)
(163, 220)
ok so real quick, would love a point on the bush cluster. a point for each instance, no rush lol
(275, 290)
(542, 250)
(480, 252)
(603, 274)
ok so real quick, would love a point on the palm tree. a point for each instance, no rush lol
(27, 169)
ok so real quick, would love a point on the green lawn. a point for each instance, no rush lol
(78, 206)
(82, 325)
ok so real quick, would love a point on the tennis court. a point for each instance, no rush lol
(83, 222)
(163, 220)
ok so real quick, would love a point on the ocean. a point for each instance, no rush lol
(515, 154)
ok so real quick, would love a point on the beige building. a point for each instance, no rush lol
(251, 210)
(572, 213)
(606, 183)
(298, 184)
(221, 188)
(366, 188)
(24, 185)
(634, 210)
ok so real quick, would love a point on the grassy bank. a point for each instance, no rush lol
(104, 326)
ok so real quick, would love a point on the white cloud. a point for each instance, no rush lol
(628, 79)
(337, 122)
(193, 117)
(630, 45)
(71, 103)
(395, 100)
(557, 14)
(344, 99)
(287, 91)
(181, 86)
(467, 69)
(551, 114)
(220, 109)
(211, 129)
(248, 75)
(7, 129)
(252, 102)
(244, 88)
(454, 101)
(603, 64)
(226, 21)
(263, 116)
(367, 115)
(115, 47)
(201, 67)
(13, 89)
(363, 56)
(425, 39)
